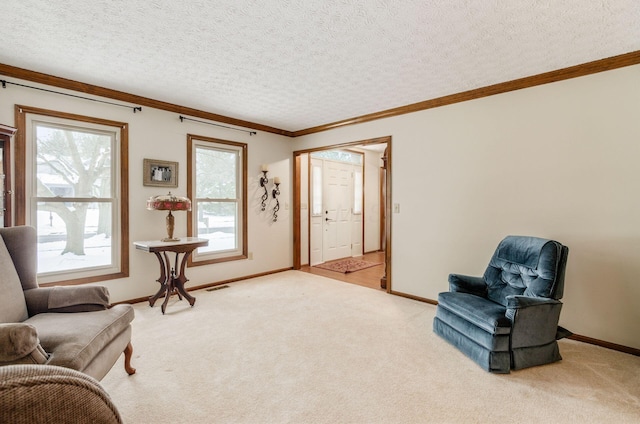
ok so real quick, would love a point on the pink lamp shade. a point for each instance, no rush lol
(169, 202)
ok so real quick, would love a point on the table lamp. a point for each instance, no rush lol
(169, 202)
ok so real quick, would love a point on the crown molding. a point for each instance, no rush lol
(41, 78)
(584, 69)
(602, 65)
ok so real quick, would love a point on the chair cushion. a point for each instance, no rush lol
(523, 266)
(74, 339)
(494, 360)
(483, 313)
(461, 329)
(523, 251)
(13, 307)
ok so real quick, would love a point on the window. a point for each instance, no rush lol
(217, 188)
(316, 187)
(339, 156)
(358, 187)
(74, 193)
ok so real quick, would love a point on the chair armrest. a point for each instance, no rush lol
(66, 299)
(19, 344)
(467, 284)
(52, 394)
(534, 320)
(521, 302)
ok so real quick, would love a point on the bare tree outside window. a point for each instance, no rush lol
(73, 175)
(74, 185)
(218, 195)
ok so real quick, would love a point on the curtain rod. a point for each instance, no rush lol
(135, 108)
(183, 118)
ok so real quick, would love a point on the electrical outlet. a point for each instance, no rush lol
(396, 208)
(250, 256)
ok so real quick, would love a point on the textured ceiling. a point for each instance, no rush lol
(294, 64)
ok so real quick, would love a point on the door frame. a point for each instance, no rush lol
(6, 132)
(297, 199)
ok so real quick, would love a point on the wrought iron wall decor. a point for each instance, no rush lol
(264, 180)
(275, 193)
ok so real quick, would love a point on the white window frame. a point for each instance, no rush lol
(316, 189)
(26, 213)
(201, 256)
(358, 191)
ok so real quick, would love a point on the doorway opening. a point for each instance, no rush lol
(342, 204)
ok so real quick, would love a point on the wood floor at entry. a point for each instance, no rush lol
(369, 277)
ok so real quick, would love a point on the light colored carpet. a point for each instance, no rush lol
(299, 348)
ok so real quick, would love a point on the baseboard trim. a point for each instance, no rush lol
(576, 337)
(212, 284)
(410, 296)
(246, 277)
(605, 344)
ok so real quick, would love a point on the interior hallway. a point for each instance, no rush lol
(369, 277)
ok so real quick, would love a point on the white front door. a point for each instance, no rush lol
(337, 189)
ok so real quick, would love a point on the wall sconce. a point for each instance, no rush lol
(263, 183)
(276, 193)
(169, 202)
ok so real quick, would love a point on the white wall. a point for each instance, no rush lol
(557, 161)
(157, 134)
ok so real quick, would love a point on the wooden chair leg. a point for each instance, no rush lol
(128, 353)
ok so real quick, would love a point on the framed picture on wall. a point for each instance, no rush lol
(160, 173)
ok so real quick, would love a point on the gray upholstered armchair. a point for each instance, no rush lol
(507, 319)
(70, 326)
(33, 394)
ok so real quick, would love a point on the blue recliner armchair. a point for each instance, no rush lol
(507, 319)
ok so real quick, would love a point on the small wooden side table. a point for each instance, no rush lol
(171, 279)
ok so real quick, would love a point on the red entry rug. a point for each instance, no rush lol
(348, 265)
